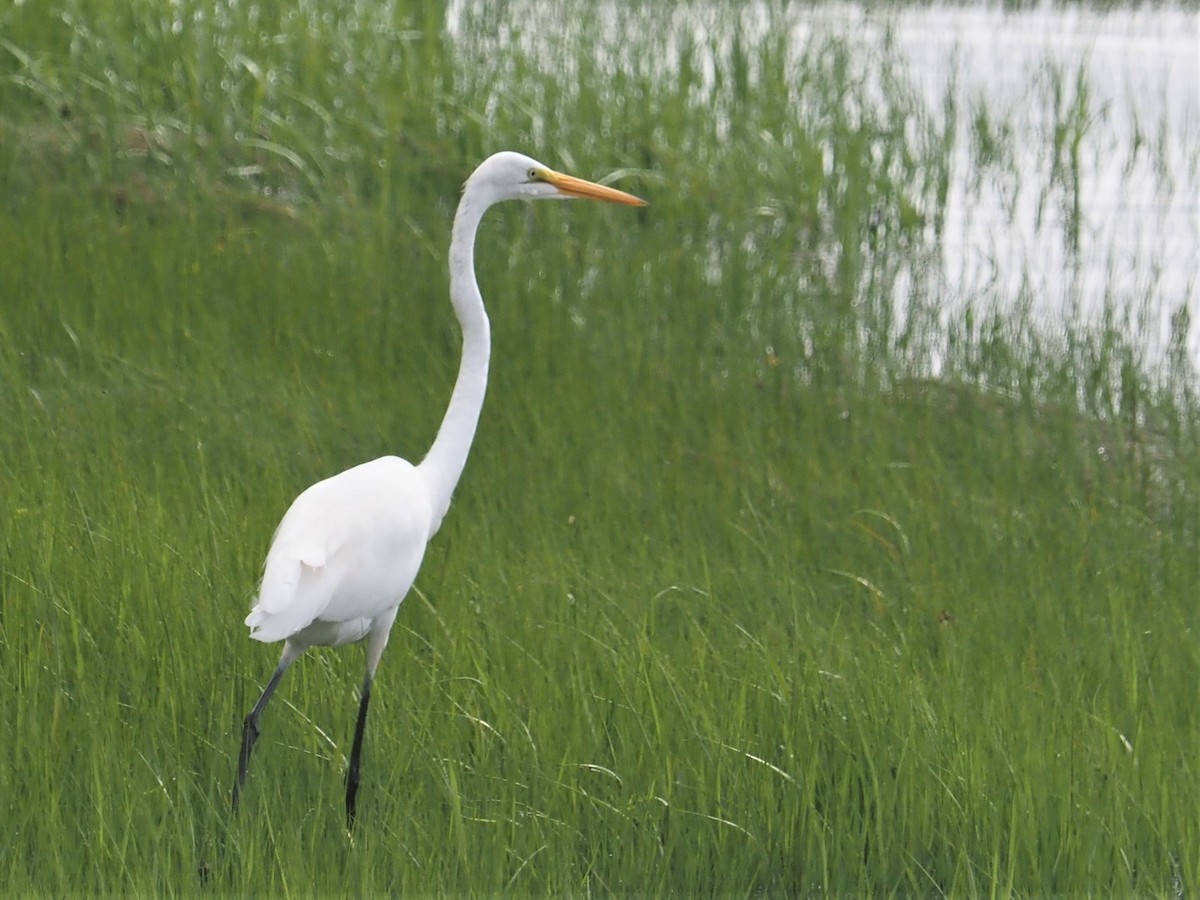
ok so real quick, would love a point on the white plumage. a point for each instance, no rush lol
(346, 552)
(349, 548)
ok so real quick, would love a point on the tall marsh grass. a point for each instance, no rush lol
(753, 584)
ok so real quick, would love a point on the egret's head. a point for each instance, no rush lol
(510, 176)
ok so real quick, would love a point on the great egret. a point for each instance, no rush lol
(349, 547)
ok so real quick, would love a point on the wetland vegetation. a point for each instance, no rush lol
(758, 581)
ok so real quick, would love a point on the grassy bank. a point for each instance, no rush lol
(736, 595)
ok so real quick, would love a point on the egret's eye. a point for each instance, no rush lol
(534, 176)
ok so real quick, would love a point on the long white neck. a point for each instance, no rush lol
(444, 463)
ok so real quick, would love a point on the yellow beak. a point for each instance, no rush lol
(577, 187)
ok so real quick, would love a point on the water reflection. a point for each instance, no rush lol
(1075, 177)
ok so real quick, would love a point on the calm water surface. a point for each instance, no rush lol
(1123, 223)
(1088, 193)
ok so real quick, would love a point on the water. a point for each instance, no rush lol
(1075, 177)
(1119, 220)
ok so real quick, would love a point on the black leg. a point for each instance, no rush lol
(250, 730)
(356, 754)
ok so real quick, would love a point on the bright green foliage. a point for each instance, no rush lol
(736, 597)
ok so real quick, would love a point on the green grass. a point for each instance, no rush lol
(735, 597)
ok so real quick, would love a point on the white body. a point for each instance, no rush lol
(349, 547)
(345, 555)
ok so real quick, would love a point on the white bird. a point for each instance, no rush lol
(349, 547)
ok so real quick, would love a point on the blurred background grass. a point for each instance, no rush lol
(752, 584)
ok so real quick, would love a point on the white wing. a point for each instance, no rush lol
(348, 548)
